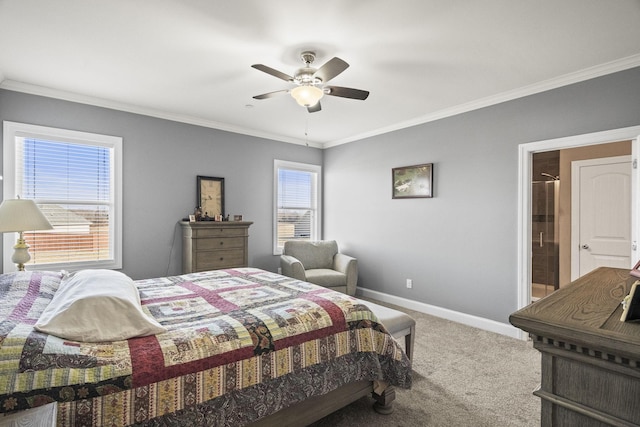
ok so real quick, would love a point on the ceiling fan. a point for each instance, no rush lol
(311, 83)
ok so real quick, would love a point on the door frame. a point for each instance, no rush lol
(575, 206)
(525, 161)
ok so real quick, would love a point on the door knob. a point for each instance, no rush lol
(585, 246)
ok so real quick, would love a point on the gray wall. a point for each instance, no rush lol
(161, 160)
(460, 247)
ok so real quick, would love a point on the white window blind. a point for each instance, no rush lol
(74, 183)
(297, 215)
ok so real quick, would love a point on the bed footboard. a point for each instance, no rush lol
(315, 408)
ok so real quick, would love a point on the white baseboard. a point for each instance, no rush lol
(445, 313)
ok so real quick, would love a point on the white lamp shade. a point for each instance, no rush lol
(307, 95)
(22, 215)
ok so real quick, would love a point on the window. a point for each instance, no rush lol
(75, 178)
(297, 203)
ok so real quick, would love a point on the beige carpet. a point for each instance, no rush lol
(462, 376)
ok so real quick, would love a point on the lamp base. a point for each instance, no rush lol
(21, 254)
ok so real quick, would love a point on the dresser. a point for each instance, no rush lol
(210, 245)
(590, 372)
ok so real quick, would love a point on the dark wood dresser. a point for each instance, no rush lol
(211, 245)
(590, 359)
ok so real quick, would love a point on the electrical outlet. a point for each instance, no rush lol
(409, 283)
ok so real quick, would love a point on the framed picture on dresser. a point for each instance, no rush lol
(631, 304)
(635, 271)
(211, 195)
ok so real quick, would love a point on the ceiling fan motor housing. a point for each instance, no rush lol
(304, 76)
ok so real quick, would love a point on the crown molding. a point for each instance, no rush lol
(136, 109)
(554, 83)
(565, 80)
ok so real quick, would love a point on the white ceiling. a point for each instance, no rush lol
(191, 60)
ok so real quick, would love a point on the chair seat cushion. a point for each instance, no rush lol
(326, 277)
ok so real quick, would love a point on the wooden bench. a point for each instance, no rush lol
(398, 324)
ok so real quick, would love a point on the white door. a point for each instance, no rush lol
(600, 214)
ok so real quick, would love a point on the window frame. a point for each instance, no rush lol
(316, 227)
(114, 143)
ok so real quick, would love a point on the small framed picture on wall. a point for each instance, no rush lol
(410, 182)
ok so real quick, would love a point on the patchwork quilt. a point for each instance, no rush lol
(241, 344)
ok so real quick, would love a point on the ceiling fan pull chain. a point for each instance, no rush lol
(306, 130)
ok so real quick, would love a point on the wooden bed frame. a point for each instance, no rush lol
(317, 407)
(302, 414)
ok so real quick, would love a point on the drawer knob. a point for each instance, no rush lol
(221, 258)
(221, 243)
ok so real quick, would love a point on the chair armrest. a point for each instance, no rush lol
(349, 266)
(342, 262)
(292, 267)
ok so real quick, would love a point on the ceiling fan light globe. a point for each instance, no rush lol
(307, 96)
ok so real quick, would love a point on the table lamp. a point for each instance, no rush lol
(20, 215)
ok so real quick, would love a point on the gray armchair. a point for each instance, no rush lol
(320, 263)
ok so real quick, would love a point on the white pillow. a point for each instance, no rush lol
(97, 305)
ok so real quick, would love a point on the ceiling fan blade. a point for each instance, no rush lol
(270, 94)
(314, 108)
(273, 72)
(331, 69)
(347, 92)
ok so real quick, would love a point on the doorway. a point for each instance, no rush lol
(545, 206)
(525, 166)
(607, 191)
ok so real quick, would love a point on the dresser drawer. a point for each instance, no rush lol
(219, 232)
(214, 260)
(215, 243)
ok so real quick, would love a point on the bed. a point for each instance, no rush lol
(236, 347)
